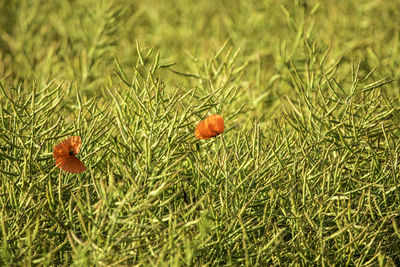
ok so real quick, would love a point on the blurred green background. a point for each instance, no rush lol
(77, 40)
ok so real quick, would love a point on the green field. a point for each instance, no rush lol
(305, 174)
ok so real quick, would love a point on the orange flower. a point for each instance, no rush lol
(212, 126)
(64, 154)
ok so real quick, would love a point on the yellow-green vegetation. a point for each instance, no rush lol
(306, 173)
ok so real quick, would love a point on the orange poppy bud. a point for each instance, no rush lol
(211, 126)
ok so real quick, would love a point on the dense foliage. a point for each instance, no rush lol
(306, 172)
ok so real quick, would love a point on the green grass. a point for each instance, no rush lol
(306, 173)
